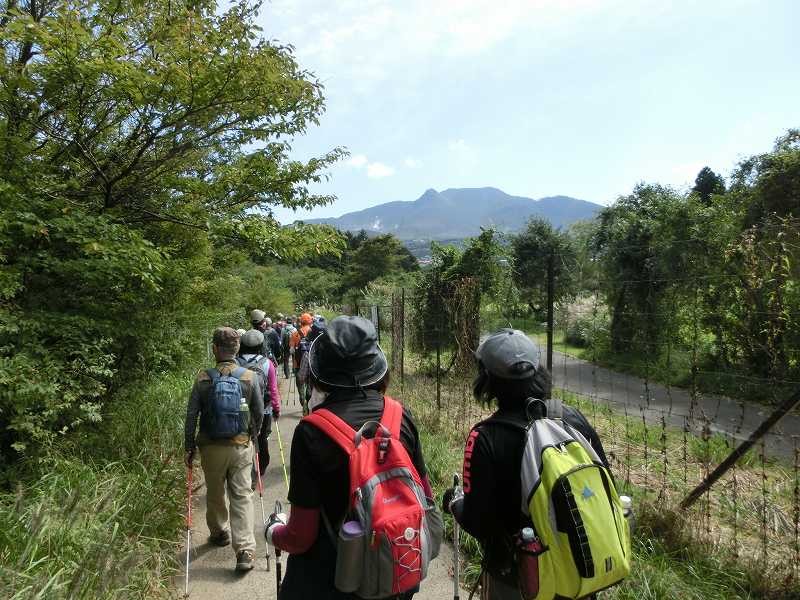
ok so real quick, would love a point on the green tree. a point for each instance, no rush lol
(708, 184)
(448, 296)
(374, 258)
(143, 146)
(533, 250)
(638, 245)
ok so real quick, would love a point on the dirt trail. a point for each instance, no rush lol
(211, 573)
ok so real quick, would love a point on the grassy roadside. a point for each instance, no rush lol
(669, 562)
(100, 520)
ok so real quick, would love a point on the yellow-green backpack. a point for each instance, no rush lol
(575, 510)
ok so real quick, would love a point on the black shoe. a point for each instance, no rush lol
(223, 538)
(245, 561)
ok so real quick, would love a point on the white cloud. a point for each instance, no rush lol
(379, 170)
(366, 42)
(357, 161)
(412, 163)
(375, 170)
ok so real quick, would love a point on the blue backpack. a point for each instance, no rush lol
(222, 417)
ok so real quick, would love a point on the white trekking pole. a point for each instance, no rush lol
(260, 486)
(189, 484)
(456, 535)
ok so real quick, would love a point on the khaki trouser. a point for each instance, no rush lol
(231, 465)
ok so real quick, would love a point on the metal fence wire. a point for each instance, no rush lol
(664, 435)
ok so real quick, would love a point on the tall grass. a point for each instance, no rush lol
(99, 520)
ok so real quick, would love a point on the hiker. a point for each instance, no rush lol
(279, 324)
(490, 508)
(258, 320)
(226, 454)
(250, 357)
(303, 373)
(350, 372)
(298, 345)
(273, 339)
(286, 336)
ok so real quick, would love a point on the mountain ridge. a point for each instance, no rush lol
(461, 212)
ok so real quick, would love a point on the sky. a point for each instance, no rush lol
(583, 98)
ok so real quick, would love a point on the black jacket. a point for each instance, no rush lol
(320, 478)
(272, 344)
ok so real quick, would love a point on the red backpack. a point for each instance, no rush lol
(391, 531)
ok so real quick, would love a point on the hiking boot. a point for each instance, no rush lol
(245, 561)
(223, 538)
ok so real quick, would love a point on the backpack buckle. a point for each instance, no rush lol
(383, 448)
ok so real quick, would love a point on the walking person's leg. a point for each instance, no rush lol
(214, 460)
(241, 506)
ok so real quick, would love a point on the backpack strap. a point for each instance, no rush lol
(392, 416)
(555, 408)
(214, 374)
(334, 427)
(537, 408)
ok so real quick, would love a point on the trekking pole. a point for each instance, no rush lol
(456, 535)
(260, 486)
(188, 526)
(278, 510)
(283, 458)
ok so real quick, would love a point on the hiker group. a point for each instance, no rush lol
(536, 491)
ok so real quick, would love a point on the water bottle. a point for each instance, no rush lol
(350, 557)
(627, 511)
(529, 547)
(244, 416)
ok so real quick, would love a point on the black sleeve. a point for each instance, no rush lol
(304, 486)
(275, 344)
(479, 513)
(410, 439)
(576, 418)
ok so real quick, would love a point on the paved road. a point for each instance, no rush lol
(211, 568)
(625, 392)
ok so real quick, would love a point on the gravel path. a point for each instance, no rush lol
(211, 573)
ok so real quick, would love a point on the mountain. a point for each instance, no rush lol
(460, 213)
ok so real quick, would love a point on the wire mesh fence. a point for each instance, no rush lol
(663, 432)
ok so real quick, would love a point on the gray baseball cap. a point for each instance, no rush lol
(252, 338)
(256, 316)
(509, 354)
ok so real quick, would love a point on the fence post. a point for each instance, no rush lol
(741, 449)
(551, 276)
(402, 337)
(438, 369)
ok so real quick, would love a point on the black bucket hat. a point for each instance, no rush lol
(347, 354)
